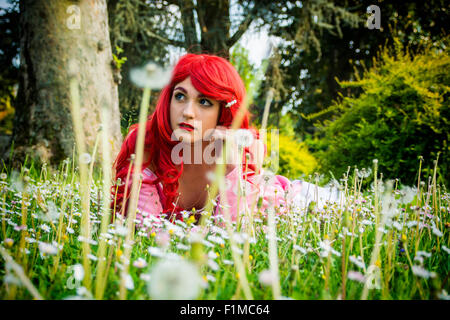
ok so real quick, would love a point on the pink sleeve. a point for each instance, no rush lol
(273, 192)
(245, 203)
(149, 204)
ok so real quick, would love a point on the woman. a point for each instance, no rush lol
(193, 112)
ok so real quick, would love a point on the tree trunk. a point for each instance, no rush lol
(54, 33)
(214, 20)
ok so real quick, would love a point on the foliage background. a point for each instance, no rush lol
(402, 113)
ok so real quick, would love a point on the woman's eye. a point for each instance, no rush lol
(179, 96)
(205, 102)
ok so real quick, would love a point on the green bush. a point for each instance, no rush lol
(401, 113)
(295, 160)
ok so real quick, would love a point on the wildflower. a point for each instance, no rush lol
(45, 228)
(407, 195)
(155, 251)
(3, 176)
(397, 226)
(212, 255)
(423, 273)
(423, 253)
(445, 249)
(174, 279)
(30, 240)
(265, 277)
(150, 76)
(121, 230)
(163, 239)
(404, 238)
(250, 257)
(191, 219)
(216, 239)
(47, 248)
(119, 253)
(85, 158)
(129, 283)
(238, 275)
(243, 138)
(90, 241)
(356, 276)
(436, 231)
(210, 278)
(364, 173)
(181, 246)
(411, 224)
(378, 263)
(326, 248)
(443, 295)
(8, 242)
(145, 276)
(358, 261)
(300, 249)
(92, 257)
(140, 263)
(213, 265)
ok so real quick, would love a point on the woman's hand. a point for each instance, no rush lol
(256, 148)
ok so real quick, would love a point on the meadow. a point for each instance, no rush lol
(381, 241)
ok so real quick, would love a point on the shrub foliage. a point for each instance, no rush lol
(401, 113)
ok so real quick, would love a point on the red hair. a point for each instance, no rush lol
(211, 75)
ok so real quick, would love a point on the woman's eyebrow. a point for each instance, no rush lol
(200, 95)
(181, 89)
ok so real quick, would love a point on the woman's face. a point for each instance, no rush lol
(191, 113)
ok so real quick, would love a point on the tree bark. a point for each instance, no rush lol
(214, 19)
(54, 35)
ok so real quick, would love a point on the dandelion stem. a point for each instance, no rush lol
(106, 169)
(131, 216)
(19, 271)
(84, 178)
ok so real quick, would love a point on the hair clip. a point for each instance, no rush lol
(229, 104)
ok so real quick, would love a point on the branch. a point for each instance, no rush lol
(172, 42)
(240, 31)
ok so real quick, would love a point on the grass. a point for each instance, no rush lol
(58, 240)
(321, 253)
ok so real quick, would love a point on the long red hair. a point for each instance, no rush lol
(211, 75)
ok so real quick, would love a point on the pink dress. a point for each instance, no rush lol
(268, 190)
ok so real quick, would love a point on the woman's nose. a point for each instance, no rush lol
(188, 111)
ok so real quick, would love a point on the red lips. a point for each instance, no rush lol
(186, 126)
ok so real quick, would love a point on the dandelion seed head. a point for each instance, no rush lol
(266, 277)
(174, 280)
(150, 76)
(243, 138)
(85, 158)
